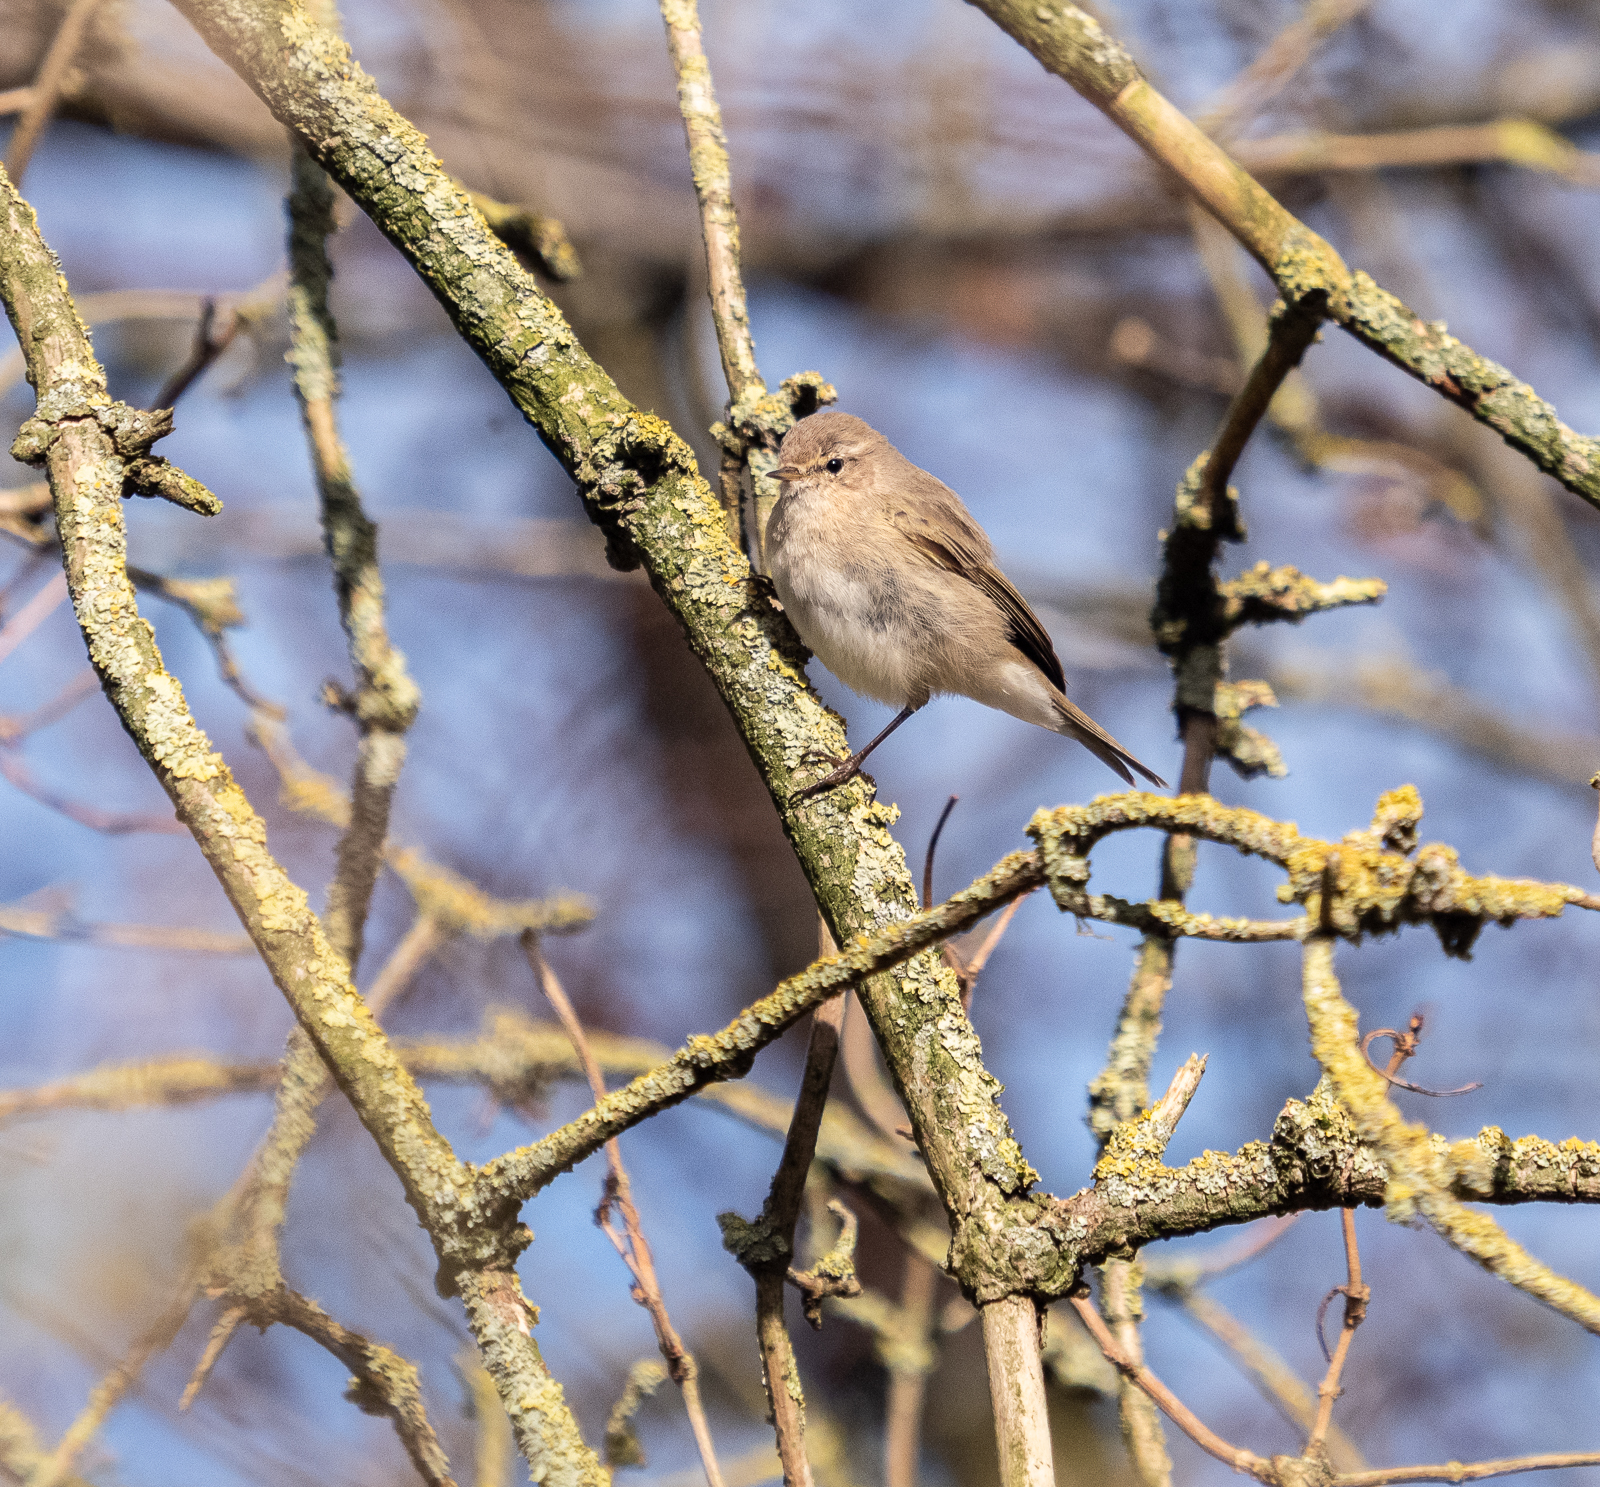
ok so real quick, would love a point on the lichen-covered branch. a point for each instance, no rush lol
(76, 431)
(727, 1054)
(20, 1452)
(385, 700)
(1140, 1136)
(639, 484)
(1351, 888)
(1420, 1178)
(1074, 46)
(535, 236)
(1263, 594)
(86, 477)
(384, 1383)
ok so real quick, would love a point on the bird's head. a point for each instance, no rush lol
(829, 452)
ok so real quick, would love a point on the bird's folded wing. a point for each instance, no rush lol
(949, 551)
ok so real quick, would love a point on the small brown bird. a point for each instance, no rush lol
(893, 585)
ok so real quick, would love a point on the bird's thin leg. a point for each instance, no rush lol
(848, 769)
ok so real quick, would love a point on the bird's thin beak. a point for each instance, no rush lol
(787, 472)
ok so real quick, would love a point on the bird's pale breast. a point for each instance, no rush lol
(850, 606)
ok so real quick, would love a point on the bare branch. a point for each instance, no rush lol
(631, 1245)
(1421, 1178)
(385, 701)
(1513, 141)
(1473, 1471)
(1071, 44)
(1174, 1408)
(48, 85)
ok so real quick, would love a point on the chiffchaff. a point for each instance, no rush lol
(889, 580)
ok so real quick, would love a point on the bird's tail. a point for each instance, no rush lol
(1076, 723)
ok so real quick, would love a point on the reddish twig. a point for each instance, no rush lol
(209, 344)
(1405, 1045)
(630, 1241)
(1356, 1293)
(1174, 1408)
(111, 823)
(15, 729)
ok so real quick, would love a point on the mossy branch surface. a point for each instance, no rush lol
(86, 480)
(1421, 1172)
(639, 483)
(69, 433)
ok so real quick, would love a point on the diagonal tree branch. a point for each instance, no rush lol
(78, 433)
(1073, 45)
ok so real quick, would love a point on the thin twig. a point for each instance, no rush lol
(1276, 66)
(933, 846)
(84, 685)
(1356, 1296)
(1405, 1045)
(209, 344)
(1073, 45)
(48, 85)
(110, 1390)
(719, 223)
(630, 1243)
(765, 1247)
(112, 823)
(418, 943)
(1174, 1408)
(386, 699)
(1270, 1373)
(1513, 141)
(34, 613)
(1470, 1471)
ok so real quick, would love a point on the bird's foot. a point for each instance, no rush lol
(843, 771)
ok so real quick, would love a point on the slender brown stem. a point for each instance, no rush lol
(908, 1379)
(630, 1243)
(1356, 1297)
(44, 603)
(1174, 1408)
(418, 943)
(109, 1391)
(1276, 66)
(1466, 1471)
(47, 86)
(1271, 1374)
(209, 344)
(779, 1215)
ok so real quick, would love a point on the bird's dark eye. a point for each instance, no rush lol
(833, 467)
